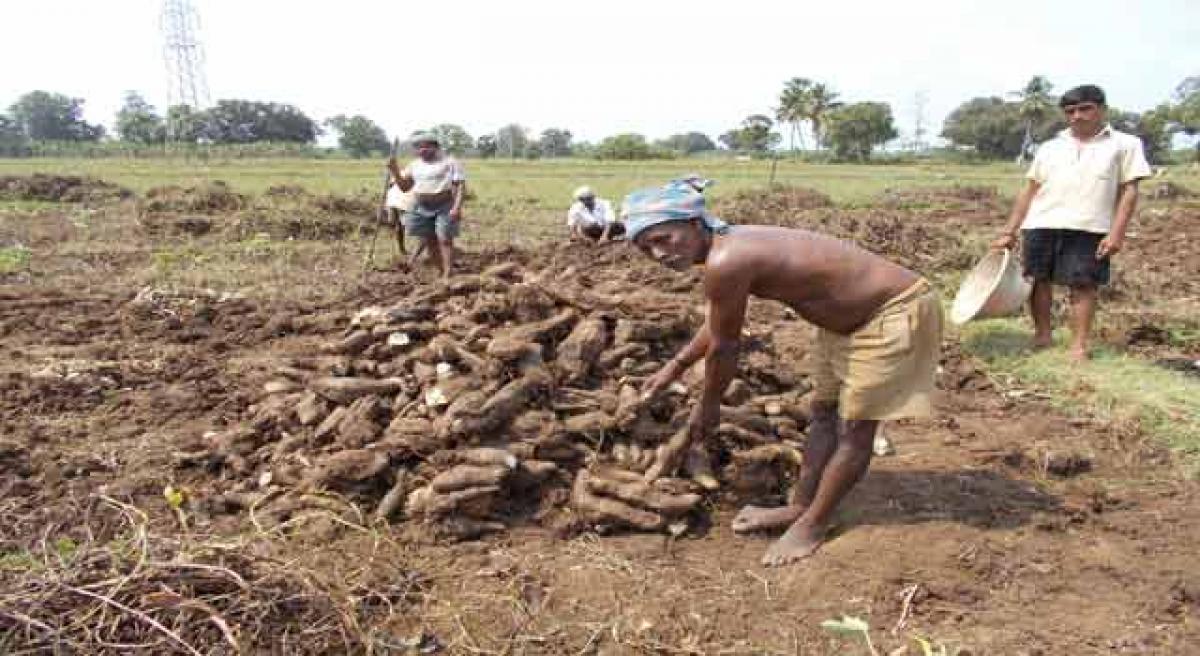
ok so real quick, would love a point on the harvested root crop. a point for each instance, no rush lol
(343, 390)
(472, 502)
(578, 353)
(465, 477)
(346, 467)
(597, 509)
(476, 403)
(642, 494)
(479, 456)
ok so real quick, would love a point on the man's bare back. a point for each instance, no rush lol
(832, 284)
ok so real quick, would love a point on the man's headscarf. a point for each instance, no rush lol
(424, 137)
(697, 181)
(676, 201)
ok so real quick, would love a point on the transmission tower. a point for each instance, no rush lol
(920, 102)
(184, 57)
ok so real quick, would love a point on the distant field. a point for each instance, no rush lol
(547, 182)
(524, 201)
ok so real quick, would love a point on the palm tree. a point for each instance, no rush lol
(1036, 106)
(821, 99)
(793, 107)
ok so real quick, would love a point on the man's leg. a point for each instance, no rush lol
(844, 469)
(1083, 273)
(822, 442)
(1041, 304)
(447, 247)
(394, 214)
(1039, 254)
(429, 244)
(446, 230)
(1083, 309)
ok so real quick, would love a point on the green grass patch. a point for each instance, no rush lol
(19, 561)
(171, 260)
(27, 205)
(14, 259)
(545, 184)
(1183, 334)
(1166, 404)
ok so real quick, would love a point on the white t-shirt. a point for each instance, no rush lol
(1079, 180)
(579, 215)
(403, 201)
(431, 178)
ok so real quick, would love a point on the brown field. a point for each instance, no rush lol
(158, 496)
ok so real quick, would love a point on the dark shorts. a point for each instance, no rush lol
(595, 231)
(424, 222)
(1064, 257)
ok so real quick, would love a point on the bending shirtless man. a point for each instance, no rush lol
(876, 353)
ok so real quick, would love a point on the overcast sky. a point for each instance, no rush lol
(602, 67)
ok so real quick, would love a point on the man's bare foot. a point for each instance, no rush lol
(799, 542)
(1079, 354)
(756, 518)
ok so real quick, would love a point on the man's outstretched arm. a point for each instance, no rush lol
(1126, 204)
(674, 368)
(728, 292)
(727, 299)
(459, 191)
(1018, 215)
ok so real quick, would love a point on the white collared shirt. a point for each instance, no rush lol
(400, 200)
(431, 178)
(1079, 180)
(579, 215)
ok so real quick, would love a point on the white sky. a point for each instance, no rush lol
(605, 67)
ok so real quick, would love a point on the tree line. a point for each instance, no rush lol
(811, 113)
(1008, 127)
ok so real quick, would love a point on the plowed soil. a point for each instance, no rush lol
(1001, 526)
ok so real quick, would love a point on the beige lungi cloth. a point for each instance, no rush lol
(886, 368)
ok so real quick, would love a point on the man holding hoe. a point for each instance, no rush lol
(876, 354)
(438, 185)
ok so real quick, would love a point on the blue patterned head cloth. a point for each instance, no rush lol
(697, 181)
(676, 201)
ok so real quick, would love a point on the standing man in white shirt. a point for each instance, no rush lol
(438, 185)
(592, 217)
(1074, 210)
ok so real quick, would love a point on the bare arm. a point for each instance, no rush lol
(404, 182)
(1126, 204)
(728, 293)
(726, 313)
(682, 361)
(695, 349)
(1019, 212)
(608, 223)
(458, 189)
